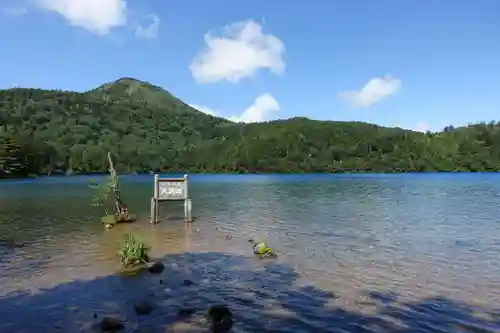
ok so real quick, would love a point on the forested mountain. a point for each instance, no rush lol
(148, 129)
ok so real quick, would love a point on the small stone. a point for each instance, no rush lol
(218, 312)
(221, 318)
(268, 255)
(186, 312)
(161, 281)
(109, 324)
(143, 307)
(188, 283)
(156, 267)
(94, 315)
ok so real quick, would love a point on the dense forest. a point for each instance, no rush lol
(147, 129)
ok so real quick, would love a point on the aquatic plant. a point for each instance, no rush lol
(108, 197)
(101, 197)
(133, 251)
(262, 250)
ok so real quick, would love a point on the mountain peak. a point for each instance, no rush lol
(136, 90)
(128, 83)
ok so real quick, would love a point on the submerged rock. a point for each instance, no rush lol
(143, 307)
(186, 312)
(109, 324)
(10, 244)
(188, 283)
(220, 318)
(134, 270)
(156, 267)
(269, 255)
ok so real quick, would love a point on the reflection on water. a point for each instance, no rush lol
(357, 253)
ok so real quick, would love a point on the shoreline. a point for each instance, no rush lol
(264, 174)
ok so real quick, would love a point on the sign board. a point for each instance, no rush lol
(171, 188)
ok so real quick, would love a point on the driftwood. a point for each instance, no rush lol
(122, 214)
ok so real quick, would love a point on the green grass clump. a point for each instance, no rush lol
(133, 251)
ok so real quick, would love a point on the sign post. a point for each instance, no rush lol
(170, 189)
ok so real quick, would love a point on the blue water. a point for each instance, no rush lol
(358, 252)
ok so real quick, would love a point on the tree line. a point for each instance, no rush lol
(147, 129)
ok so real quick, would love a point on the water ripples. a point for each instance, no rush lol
(386, 254)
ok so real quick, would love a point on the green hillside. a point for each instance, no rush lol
(148, 129)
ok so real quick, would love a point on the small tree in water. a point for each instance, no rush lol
(108, 197)
(133, 252)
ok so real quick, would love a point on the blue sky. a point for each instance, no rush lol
(416, 64)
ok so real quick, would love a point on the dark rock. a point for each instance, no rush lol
(143, 307)
(10, 243)
(94, 315)
(186, 312)
(268, 255)
(109, 324)
(161, 281)
(133, 270)
(221, 318)
(218, 312)
(188, 283)
(250, 240)
(156, 267)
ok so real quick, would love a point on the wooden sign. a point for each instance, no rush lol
(170, 189)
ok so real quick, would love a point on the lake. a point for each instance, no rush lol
(357, 253)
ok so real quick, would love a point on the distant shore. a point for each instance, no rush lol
(181, 174)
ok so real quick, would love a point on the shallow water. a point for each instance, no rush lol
(358, 253)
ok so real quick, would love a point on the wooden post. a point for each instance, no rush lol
(186, 182)
(156, 196)
(186, 199)
(153, 210)
(189, 208)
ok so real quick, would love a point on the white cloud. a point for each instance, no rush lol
(98, 16)
(241, 51)
(204, 109)
(376, 90)
(421, 127)
(148, 31)
(262, 107)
